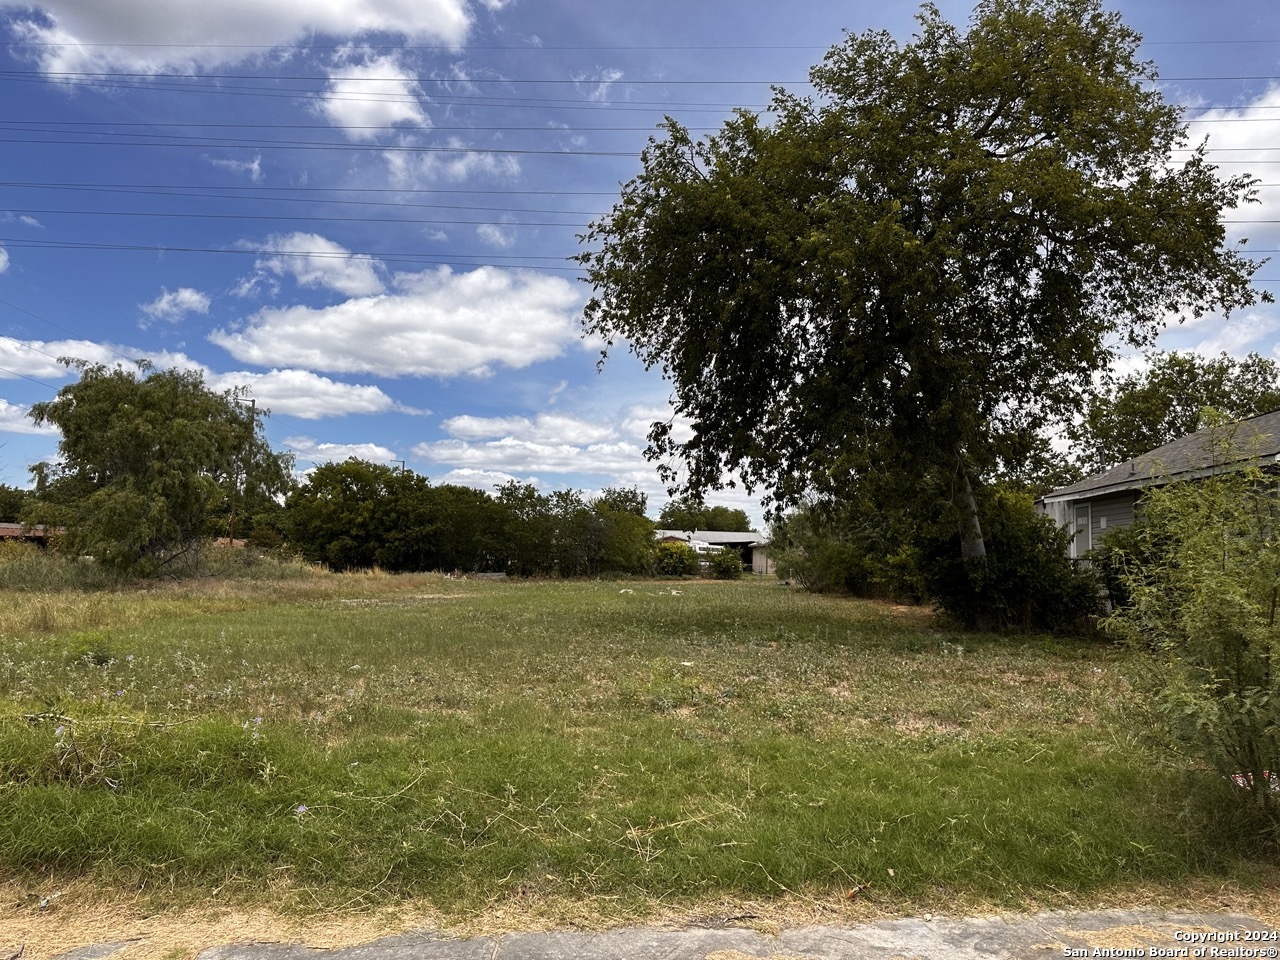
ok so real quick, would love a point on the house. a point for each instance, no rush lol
(1109, 499)
(753, 545)
(38, 534)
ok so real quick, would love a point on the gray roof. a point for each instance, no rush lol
(713, 536)
(1196, 453)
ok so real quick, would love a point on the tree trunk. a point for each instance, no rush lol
(971, 543)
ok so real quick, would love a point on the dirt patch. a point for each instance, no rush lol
(404, 601)
(927, 726)
(73, 921)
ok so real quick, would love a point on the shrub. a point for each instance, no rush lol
(1203, 577)
(676, 560)
(850, 548)
(725, 564)
(1026, 580)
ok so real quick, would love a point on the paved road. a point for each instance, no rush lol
(1107, 933)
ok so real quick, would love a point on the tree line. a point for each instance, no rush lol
(152, 464)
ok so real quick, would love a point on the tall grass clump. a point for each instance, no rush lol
(27, 567)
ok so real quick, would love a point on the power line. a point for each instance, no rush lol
(467, 260)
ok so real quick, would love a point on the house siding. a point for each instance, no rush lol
(1105, 514)
(1111, 512)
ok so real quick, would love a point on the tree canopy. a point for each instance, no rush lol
(147, 458)
(901, 279)
(1130, 415)
(692, 513)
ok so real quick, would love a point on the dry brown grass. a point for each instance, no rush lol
(81, 916)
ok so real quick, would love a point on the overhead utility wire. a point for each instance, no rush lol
(169, 214)
(249, 188)
(523, 47)
(472, 260)
(339, 147)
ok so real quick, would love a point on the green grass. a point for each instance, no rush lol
(336, 741)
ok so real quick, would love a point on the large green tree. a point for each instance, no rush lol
(899, 281)
(1130, 415)
(356, 514)
(146, 458)
(692, 513)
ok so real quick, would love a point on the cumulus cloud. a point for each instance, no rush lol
(316, 261)
(564, 449)
(1238, 335)
(148, 37)
(297, 393)
(173, 305)
(638, 418)
(545, 428)
(516, 455)
(14, 419)
(301, 393)
(459, 163)
(367, 91)
(485, 480)
(310, 450)
(38, 359)
(547, 443)
(437, 324)
(1246, 137)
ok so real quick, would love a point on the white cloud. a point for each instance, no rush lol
(4, 260)
(27, 221)
(301, 393)
(517, 455)
(495, 236)
(297, 393)
(438, 324)
(311, 450)
(14, 419)
(597, 85)
(173, 305)
(459, 163)
(149, 37)
(315, 261)
(1247, 137)
(484, 480)
(366, 91)
(484, 451)
(545, 428)
(1238, 335)
(252, 167)
(38, 358)
(638, 418)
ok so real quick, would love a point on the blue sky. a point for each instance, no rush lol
(362, 210)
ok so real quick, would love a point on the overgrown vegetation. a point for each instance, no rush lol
(1200, 577)
(352, 740)
(1025, 582)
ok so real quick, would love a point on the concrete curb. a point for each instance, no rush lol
(1105, 933)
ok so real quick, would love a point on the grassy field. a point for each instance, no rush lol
(329, 742)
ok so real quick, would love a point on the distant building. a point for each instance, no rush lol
(36, 534)
(753, 545)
